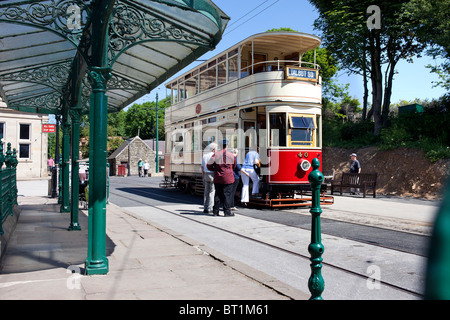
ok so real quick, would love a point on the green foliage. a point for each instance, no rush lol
(141, 119)
(348, 134)
(427, 131)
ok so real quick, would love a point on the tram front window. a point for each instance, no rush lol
(277, 123)
(301, 130)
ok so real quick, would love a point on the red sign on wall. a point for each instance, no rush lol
(47, 128)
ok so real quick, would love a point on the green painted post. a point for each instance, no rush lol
(437, 284)
(59, 174)
(14, 163)
(157, 136)
(65, 199)
(316, 284)
(2, 213)
(99, 74)
(74, 222)
(96, 262)
(8, 163)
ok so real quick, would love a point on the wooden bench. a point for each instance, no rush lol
(364, 181)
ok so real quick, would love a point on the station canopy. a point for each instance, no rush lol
(46, 49)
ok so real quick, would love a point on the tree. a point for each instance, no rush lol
(140, 119)
(328, 67)
(432, 29)
(344, 27)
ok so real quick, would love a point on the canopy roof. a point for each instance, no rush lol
(46, 48)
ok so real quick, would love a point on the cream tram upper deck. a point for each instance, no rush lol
(266, 68)
(261, 83)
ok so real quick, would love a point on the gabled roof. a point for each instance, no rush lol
(125, 145)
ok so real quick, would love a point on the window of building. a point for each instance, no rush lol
(24, 131)
(24, 150)
(24, 146)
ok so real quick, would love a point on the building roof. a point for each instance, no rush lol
(46, 48)
(124, 146)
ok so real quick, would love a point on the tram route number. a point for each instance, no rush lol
(227, 309)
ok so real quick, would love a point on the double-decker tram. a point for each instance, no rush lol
(258, 94)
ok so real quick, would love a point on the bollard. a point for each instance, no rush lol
(316, 284)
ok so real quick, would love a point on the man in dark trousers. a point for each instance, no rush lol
(222, 163)
(355, 167)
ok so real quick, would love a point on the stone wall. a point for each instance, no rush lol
(138, 150)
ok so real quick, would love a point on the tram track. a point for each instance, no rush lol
(285, 250)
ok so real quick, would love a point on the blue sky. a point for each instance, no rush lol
(254, 16)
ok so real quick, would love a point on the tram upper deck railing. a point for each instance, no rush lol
(265, 52)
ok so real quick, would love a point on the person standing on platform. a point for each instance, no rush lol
(251, 159)
(222, 163)
(140, 165)
(146, 167)
(208, 180)
(355, 167)
(237, 176)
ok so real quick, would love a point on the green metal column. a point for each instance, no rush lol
(99, 74)
(316, 284)
(74, 222)
(65, 199)
(96, 262)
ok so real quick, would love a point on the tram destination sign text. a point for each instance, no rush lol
(306, 74)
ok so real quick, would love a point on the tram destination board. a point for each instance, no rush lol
(306, 74)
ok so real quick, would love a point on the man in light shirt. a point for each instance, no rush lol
(208, 180)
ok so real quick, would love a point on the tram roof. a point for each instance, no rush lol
(46, 48)
(279, 42)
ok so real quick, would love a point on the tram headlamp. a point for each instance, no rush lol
(305, 165)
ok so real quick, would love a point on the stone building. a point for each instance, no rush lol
(24, 131)
(131, 151)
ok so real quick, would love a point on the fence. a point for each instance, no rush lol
(8, 183)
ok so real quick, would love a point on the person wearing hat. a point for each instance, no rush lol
(222, 163)
(355, 167)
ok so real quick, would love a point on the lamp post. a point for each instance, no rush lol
(316, 284)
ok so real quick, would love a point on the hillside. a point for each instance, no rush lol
(401, 172)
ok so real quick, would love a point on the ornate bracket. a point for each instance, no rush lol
(67, 18)
(130, 25)
(54, 76)
(98, 77)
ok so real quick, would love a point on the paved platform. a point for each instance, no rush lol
(146, 261)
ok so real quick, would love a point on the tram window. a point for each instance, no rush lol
(207, 139)
(174, 93)
(301, 130)
(208, 79)
(244, 69)
(277, 123)
(258, 62)
(233, 68)
(182, 91)
(221, 73)
(191, 86)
